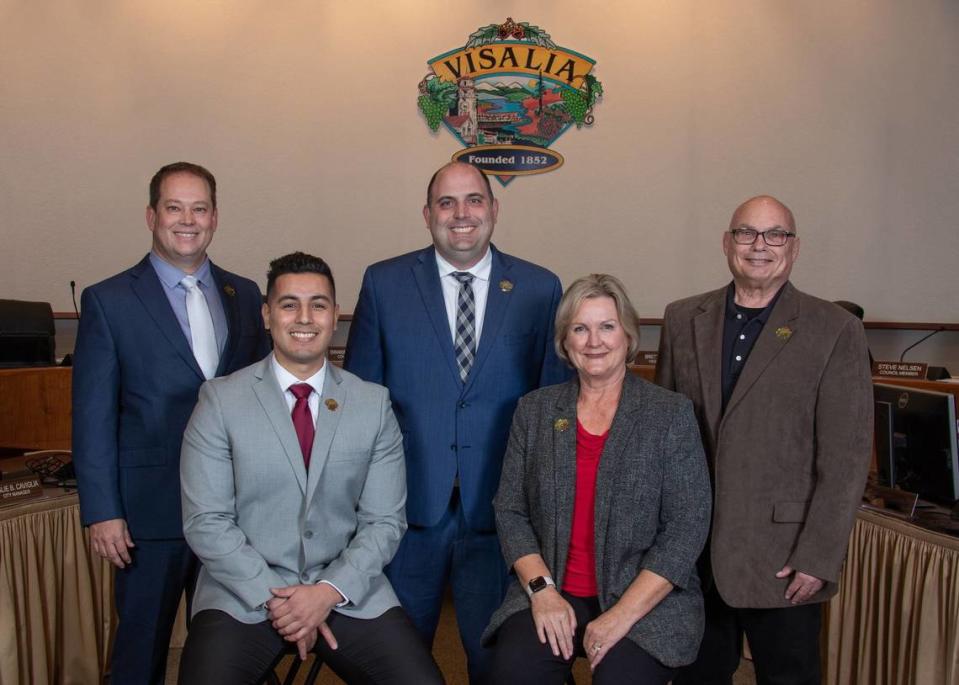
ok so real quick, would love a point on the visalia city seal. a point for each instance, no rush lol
(507, 95)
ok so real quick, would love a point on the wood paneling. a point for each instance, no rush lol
(35, 408)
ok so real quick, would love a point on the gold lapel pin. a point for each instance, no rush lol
(506, 285)
(561, 425)
(784, 332)
(229, 290)
(331, 404)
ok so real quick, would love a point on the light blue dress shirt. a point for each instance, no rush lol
(170, 278)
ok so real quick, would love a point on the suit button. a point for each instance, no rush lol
(453, 447)
(308, 534)
(464, 405)
(305, 577)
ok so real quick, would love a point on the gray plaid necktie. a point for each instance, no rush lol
(464, 343)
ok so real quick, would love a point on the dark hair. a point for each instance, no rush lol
(180, 168)
(429, 188)
(298, 263)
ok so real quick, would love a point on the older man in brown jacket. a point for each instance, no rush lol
(781, 387)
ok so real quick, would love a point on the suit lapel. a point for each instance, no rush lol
(427, 278)
(497, 303)
(564, 470)
(149, 290)
(708, 338)
(227, 293)
(610, 464)
(769, 344)
(268, 393)
(329, 412)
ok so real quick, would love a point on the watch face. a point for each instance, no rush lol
(537, 584)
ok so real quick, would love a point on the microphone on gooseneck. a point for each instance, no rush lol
(73, 294)
(922, 339)
(68, 358)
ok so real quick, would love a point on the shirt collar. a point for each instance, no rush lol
(286, 379)
(171, 276)
(762, 317)
(481, 270)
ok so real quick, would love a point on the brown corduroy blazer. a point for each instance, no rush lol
(789, 456)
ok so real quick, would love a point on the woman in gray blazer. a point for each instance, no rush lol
(602, 509)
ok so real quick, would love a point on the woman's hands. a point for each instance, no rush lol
(555, 621)
(603, 632)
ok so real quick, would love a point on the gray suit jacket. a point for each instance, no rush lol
(257, 519)
(789, 455)
(652, 505)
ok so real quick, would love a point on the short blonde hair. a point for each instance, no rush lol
(588, 287)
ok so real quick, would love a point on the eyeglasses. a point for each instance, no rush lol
(774, 237)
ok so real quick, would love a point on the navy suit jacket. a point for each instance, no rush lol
(135, 383)
(400, 337)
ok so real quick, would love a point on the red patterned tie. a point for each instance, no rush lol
(303, 419)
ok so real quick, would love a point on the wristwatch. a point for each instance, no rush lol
(538, 583)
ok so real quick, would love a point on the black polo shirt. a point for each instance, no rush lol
(741, 329)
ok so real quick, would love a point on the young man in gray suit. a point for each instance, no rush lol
(293, 492)
(781, 387)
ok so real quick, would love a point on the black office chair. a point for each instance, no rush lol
(27, 334)
(856, 311)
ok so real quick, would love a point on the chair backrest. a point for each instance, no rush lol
(27, 334)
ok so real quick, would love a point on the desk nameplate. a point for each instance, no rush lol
(915, 370)
(19, 489)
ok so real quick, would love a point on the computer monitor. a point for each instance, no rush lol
(916, 441)
(27, 334)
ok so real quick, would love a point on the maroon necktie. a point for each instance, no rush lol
(303, 419)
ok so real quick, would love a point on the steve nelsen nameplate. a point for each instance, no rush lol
(20, 489)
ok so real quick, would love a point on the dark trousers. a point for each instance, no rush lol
(784, 644)
(147, 595)
(223, 651)
(520, 658)
(473, 565)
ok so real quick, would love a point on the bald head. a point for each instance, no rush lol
(452, 165)
(758, 268)
(763, 202)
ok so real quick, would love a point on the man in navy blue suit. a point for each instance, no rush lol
(147, 340)
(458, 332)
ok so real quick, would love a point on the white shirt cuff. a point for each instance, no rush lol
(346, 600)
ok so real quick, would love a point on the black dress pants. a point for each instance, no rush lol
(387, 649)
(519, 658)
(784, 643)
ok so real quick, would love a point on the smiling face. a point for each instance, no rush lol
(460, 215)
(301, 317)
(183, 222)
(759, 266)
(595, 341)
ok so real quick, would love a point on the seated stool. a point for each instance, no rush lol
(273, 679)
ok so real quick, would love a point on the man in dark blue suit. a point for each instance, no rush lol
(458, 332)
(147, 339)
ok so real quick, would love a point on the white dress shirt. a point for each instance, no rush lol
(286, 379)
(451, 290)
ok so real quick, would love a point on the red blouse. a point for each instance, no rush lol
(580, 577)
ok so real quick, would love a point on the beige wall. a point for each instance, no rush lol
(306, 112)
